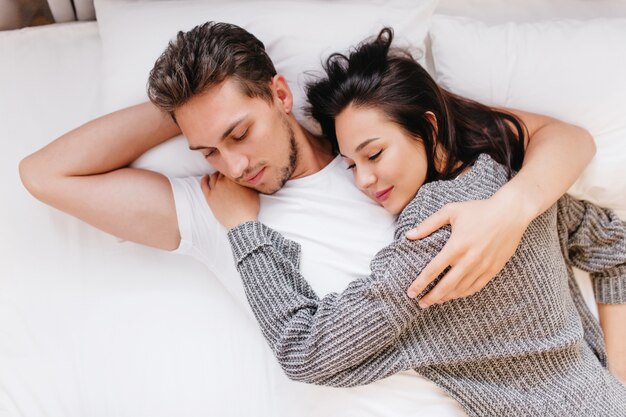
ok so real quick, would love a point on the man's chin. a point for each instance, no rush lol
(264, 189)
(271, 188)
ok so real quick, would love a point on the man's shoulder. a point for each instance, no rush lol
(185, 182)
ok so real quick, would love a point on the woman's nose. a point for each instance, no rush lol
(365, 179)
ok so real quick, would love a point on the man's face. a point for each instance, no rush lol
(246, 139)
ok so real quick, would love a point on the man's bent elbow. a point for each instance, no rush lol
(32, 176)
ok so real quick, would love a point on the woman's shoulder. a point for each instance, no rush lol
(484, 178)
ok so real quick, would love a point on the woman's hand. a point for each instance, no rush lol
(231, 203)
(485, 234)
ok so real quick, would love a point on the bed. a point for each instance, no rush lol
(93, 326)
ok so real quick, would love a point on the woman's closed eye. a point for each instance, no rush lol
(375, 156)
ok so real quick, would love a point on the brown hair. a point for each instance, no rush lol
(374, 75)
(204, 57)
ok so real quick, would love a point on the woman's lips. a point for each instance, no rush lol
(384, 194)
(256, 178)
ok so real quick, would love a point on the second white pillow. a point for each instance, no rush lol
(571, 70)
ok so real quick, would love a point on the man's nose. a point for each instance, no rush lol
(235, 162)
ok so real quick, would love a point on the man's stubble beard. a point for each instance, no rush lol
(286, 171)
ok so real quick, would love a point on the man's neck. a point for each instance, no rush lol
(314, 152)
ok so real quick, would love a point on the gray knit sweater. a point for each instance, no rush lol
(526, 345)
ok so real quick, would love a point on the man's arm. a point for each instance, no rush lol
(486, 233)
(83, 173)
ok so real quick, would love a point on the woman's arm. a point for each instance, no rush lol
(596, 243)
(486, 233)
(343, 339)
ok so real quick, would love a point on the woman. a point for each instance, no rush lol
(526, 345)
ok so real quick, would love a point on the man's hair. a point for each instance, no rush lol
(204, 57)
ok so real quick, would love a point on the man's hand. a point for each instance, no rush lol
(231, 203)
(486, 233)
(484, 236)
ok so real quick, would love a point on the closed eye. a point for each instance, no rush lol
(351, 164)
(375, 156)
(242, 137)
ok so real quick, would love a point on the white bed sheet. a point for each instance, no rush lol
(90, 326)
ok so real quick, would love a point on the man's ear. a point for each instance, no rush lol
(282, 93)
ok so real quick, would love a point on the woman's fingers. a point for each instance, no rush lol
(431, 224)
(478, 284)
(436, 266)
(448, 284)
(464, 284)
(484, 236)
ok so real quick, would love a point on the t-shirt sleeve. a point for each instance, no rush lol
(203, 237)
(199, 229)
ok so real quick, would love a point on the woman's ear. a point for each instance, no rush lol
(433, 120)
(282, 93)
(439, 154)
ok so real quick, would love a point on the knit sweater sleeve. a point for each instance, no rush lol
(343, 339)
(595, 241)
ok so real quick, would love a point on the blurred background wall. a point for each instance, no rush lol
(15, 14)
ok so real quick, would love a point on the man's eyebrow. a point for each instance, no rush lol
(365, 143)
(227, 132)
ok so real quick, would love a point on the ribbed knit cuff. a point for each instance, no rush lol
(288, 248)
(610, 287)
(246, 238)
(249, 236)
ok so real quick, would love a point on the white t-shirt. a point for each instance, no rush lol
(340, 230)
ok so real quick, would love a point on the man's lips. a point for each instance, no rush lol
(384, 194)
(254, 179)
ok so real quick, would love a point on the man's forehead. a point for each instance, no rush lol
(204, 115)
(214, 134)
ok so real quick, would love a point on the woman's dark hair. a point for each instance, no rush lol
(374, 75)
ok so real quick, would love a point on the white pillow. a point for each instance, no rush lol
(297, 36)
(498, 11)
(571, 70)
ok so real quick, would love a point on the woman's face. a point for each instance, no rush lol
(388, 164)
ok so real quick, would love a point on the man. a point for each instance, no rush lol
(216, 84)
